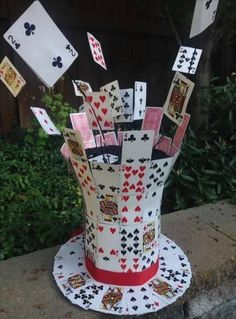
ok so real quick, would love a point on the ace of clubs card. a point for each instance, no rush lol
(11, 77)
(39, 42)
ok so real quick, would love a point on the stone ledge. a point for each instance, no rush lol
(207, 234)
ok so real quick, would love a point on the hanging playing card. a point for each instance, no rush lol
(204, 16)
(127, 96)
(96, 50)
(113, 90)
(37, 39)
(187, 60)
(140, 91)
(98, 110)
(45, 121)
(177, 100)
(80, 123)
(79, 86)
(137, 147)
(180, 131)
(11, 77)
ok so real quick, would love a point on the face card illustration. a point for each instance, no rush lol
(96, 50)
(39, 42)
(108, 209)
(74, 142)
(137, 147)
(130, 241)
(113, 301)
(177, 100)
(203, 16)
(163, 144)
(152, 119)
(80, 123)
(149, 236)
(11, 77)
(113, 90)
(107, 178)
(127, 96)
(79, 86)
(163, 290)
(180, 131)
(140, 92)
(99, 115)
(140, 300)
(45, 121)
(187, 60)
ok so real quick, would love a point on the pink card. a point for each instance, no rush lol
(110, 138)
(152, 119)
(180, 132)
(120, 137)
(173, 150)
(80, 123)
(164, 144)
(99, 140)
(96, 50)
(65, 151)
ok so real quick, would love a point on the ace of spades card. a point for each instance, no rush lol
(96, 50)
(140, 92)
(137, 147)
(127, 97)
(177, 100)
(98, 110)
(203, 16)
(187, 60)
(113, 90)
(39, 42)
(11, 77)
(45, 121)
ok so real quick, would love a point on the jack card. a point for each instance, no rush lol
(140, 92)
(11, 77)
(45, 121)
(39, 42)
(84, 86)
(177, 100)
(187, 60)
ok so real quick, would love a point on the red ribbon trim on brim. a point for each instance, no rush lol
(121, 278)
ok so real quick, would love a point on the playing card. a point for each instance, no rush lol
(98, 110)
(151, 204)
(137, 147)
(131, 209)
(74, 142)
(79, 86)
(173, 150)
(113, 301)
(108, 208)
(130, 241)
(37, 39)
(158, 174)
(11, 77)
(180, 131)
(91, 239)
(187, 60)
(163, 144)
(149, 236)
(164, 290)
(74, 281)
(133, 179)
(203, 16)
(177, 100)
(130, 264)
(105, 158)
(127, 96)
(45, 121)
(96, 50)
(113, 90)
(80, 123)
(65, 151)
(152, 119)
(108, 247)
(120, 137)
(140, 91)
(140, 300)
(175, 276)
(107, 178)
(110, 138)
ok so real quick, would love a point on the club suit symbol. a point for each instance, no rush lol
(57, 62)
(29, 28)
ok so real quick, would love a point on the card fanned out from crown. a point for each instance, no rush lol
(39, 42)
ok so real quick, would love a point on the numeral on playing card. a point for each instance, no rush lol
(11, 39)
(68, 47)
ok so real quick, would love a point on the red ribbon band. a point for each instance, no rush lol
(121, 278)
